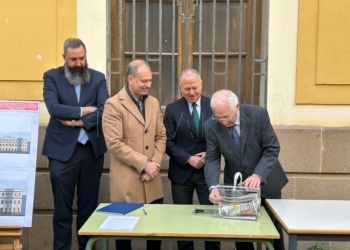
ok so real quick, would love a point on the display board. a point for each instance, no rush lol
(19, 123)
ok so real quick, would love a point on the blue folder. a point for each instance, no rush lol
(119, 208)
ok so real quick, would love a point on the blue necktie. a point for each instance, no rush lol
(83, 137)
(235, 137)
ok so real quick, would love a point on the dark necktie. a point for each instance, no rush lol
(195, 118)
(235, 137)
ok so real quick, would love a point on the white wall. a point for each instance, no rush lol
(282, 74)
(91, 28)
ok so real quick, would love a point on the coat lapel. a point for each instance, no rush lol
(245, 126)
(188, 118)
(126, 101)
(205, 114)
(148, 111)
(226, 135)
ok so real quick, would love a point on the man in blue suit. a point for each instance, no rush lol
(186, 146)
(74, 143)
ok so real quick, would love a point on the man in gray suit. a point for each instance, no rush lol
(244, 136)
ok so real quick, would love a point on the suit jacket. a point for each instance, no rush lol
(259, 151)
(132, 141)
(62, 103)
(182, 140)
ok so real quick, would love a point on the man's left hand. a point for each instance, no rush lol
(252, 181)
(68, 123)
(201, 155)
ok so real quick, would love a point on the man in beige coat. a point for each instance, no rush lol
(135, 137)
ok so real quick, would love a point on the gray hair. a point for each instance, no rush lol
(72, 43)
(224, 96)
(189, 72)
(134, 65)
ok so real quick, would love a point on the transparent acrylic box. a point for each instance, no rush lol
(238, 202)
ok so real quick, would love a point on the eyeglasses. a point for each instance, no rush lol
(224, 118)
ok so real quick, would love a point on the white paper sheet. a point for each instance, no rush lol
(119, 223)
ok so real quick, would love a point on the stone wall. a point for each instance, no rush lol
(316, 160)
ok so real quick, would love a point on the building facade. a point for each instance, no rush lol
(307, 89)
(14, 145)
(10, 201)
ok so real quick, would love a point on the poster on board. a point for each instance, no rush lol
(19, 125)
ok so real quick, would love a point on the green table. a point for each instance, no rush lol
(178, 222)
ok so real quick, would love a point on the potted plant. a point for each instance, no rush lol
(318, 246)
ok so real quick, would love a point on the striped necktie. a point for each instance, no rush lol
(83, 137)
(236, 139)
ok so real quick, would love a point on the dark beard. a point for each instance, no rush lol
(76, 77)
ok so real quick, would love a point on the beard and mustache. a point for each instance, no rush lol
(77, 75)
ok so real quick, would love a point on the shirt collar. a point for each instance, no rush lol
(143, 97)
(238, 120)
(197, 102)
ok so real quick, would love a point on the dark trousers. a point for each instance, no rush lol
(183, 194)
(151, 244)
(82, 171)
(278, 244)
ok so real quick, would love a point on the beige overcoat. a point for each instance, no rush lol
(132, 141)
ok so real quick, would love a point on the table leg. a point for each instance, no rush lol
(268, 244)
(90, 243)
(259, 246)
(16, 244)
(259, 243)
(105, 244)
(293, 242)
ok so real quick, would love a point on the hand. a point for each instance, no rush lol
(214, 196)
(196, 162)
(79, 123)
(152, 169)
(252, 181)
(68, 123)
(88, 110)
(201, 155)
(145, 176)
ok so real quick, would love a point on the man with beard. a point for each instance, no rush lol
(74, 144)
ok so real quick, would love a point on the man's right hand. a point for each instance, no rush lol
(88, 110)
(196, 161)
(214, 196)
(145, 177)
(152, 169)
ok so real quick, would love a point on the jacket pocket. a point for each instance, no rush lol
(53, 130)
(131, 134)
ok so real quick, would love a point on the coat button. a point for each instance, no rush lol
(146, 131)
(146, 147)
